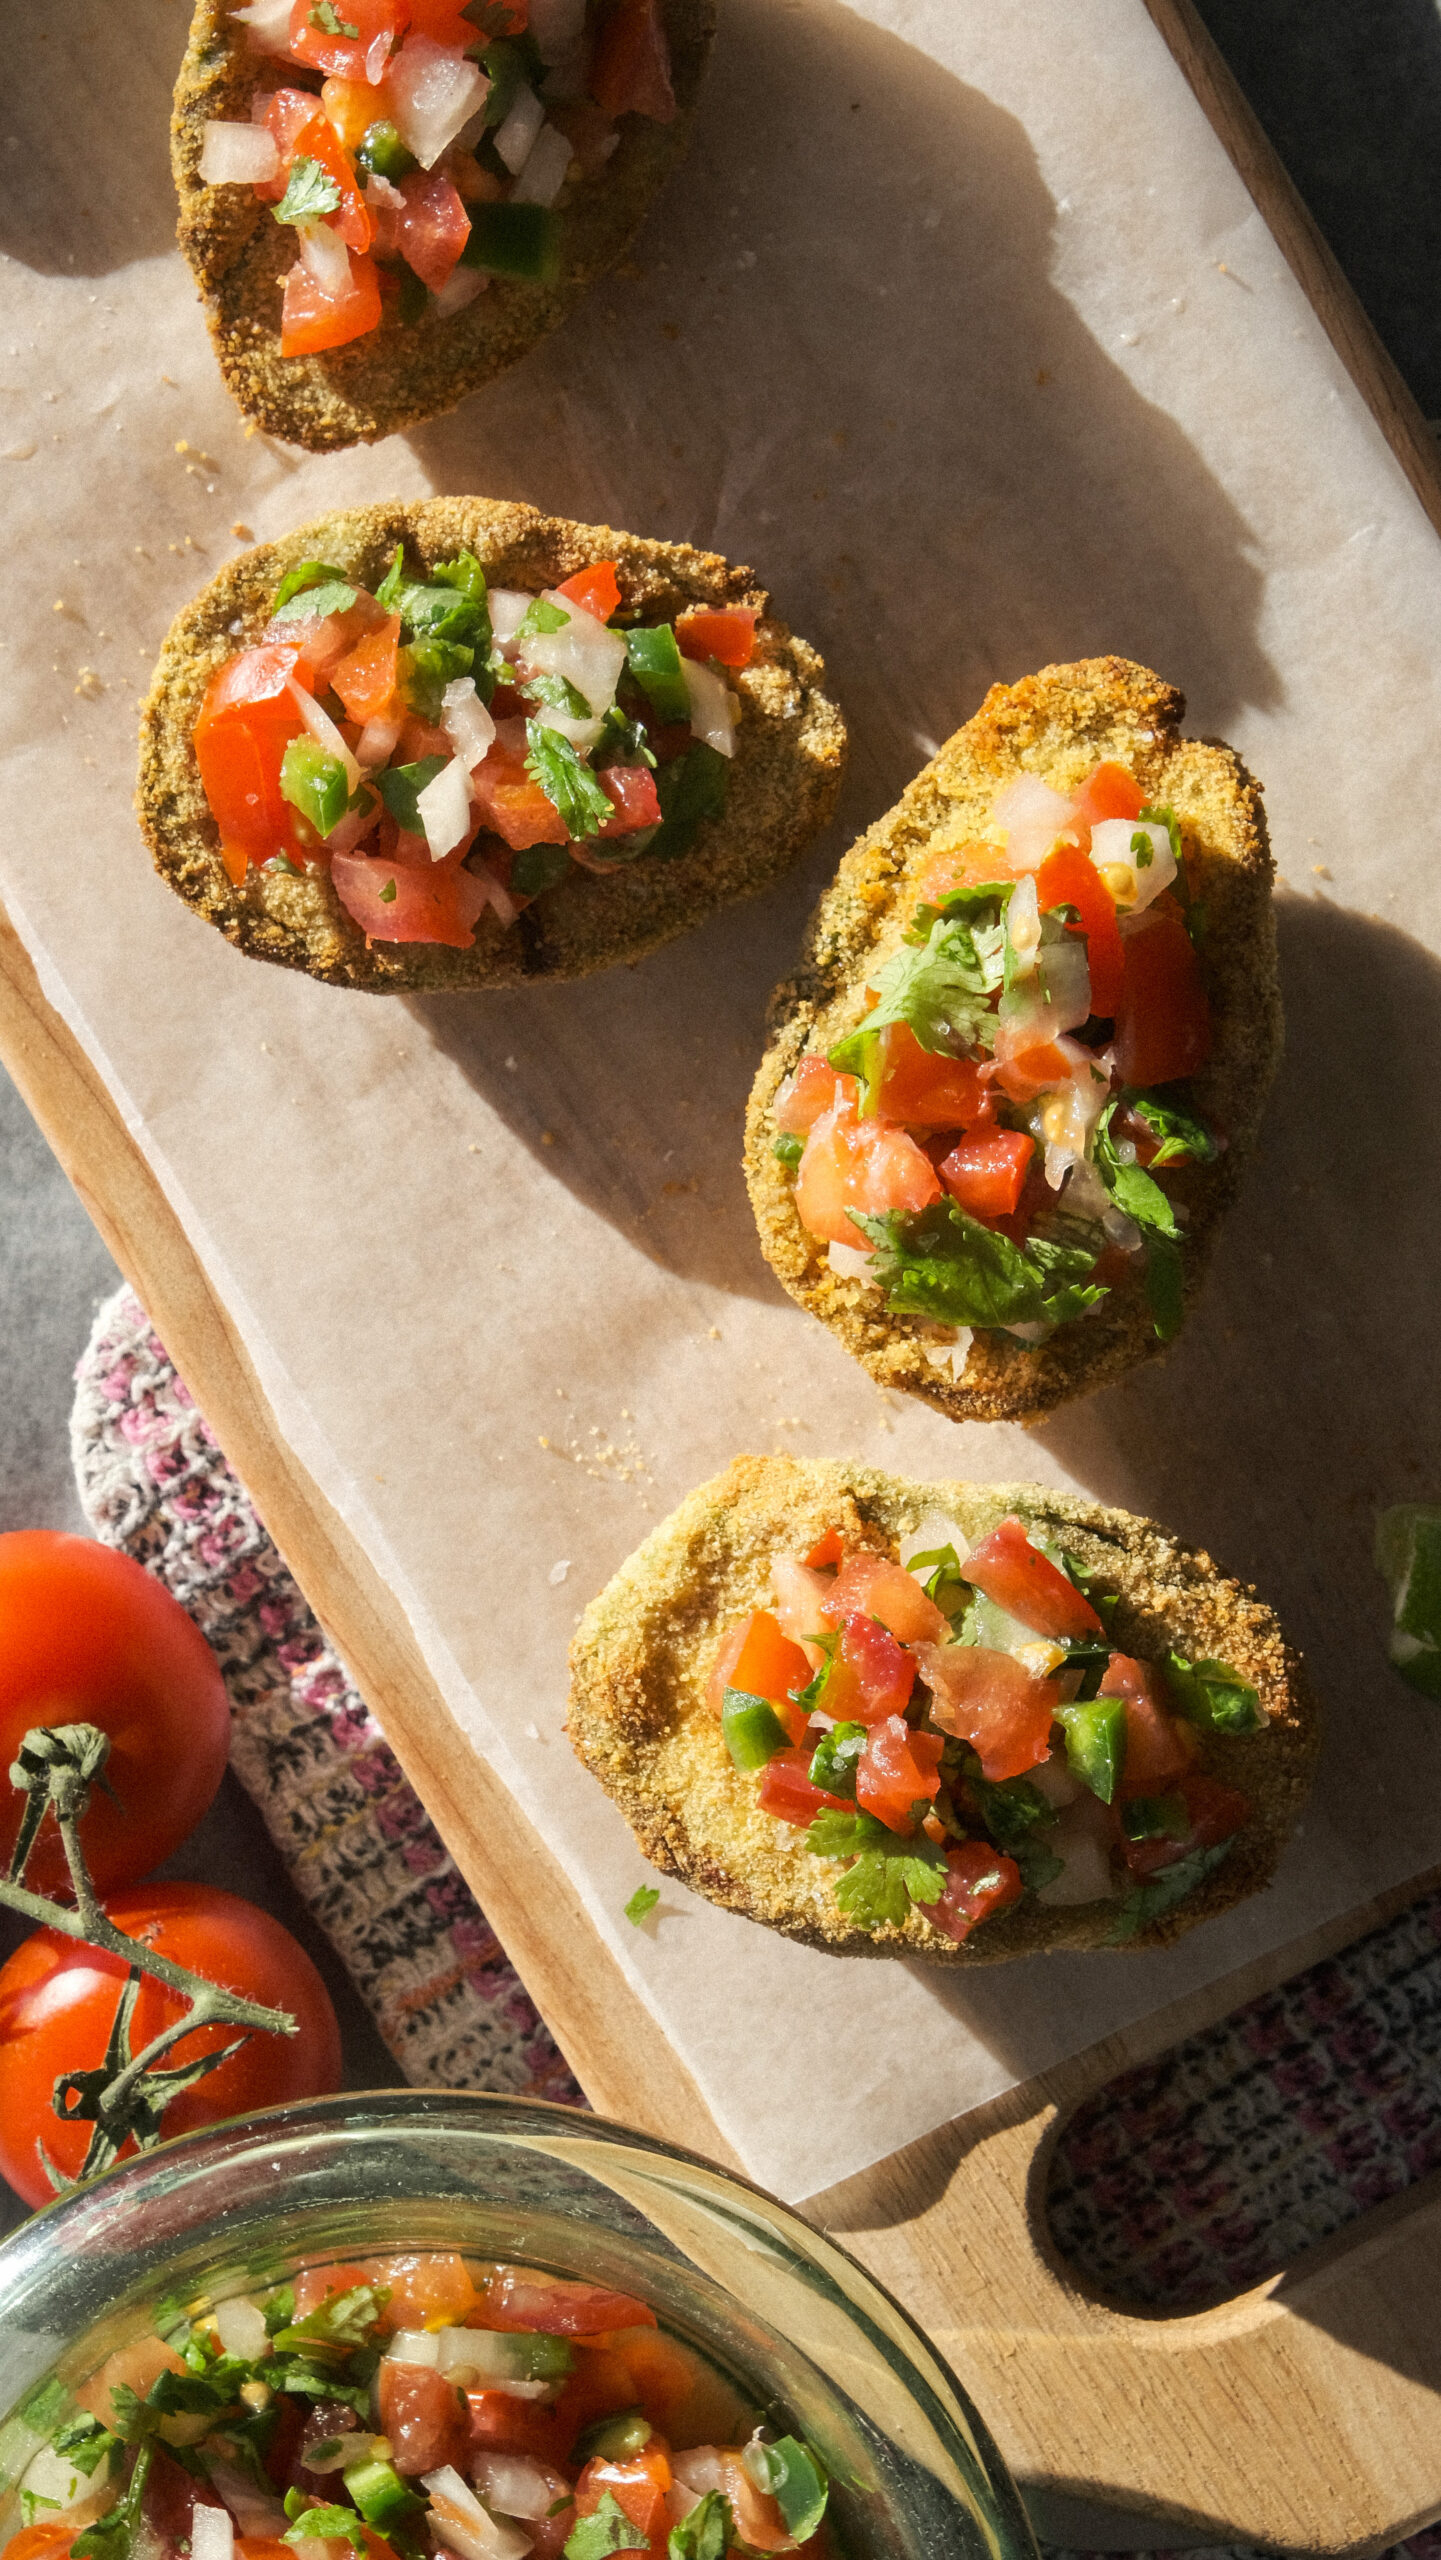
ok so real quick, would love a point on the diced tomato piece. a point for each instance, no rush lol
(1215, 1813)
(246, 722)
(431, 901)
(523, 2298)
(923, 1089)
(423, 2415)
(871, 1675)
(979, 1880)
(513, 803)
(898, 1769)
(352, 107)
(318, 140)
(596, 590)
(990, 1700)
(1043, 1069)
(813, 1089)
(986, 1173)
(667, 2380)
(286, 112)
(1159, 1747)
(431, 2289)
(728, 634)
(419, 739)
(630, 73)
(312, 321)
(1163, 1021)
(378, 25)
(881, 1589)
(965, 866)
(859, 1164)
(445, 21)
(786, 1790)
(1111, 792)
(365, 679)
(434, 227)
(41, 2542)
(756, 1657)
(499, 2423)
(1021, 1580)
(829, 1548)
(1069, 878)
(639, 2484)
(637, 804)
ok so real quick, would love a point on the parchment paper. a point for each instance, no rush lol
(960, 327)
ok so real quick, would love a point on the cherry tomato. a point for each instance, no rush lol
(1159, 1747)
(432, 2289)
(922, 1088)
(727, 634)
(990, 1700)
(979, 1880)
(287, 113)
(630, 74)
(596, 590)
(312, 320)
(1022, 1581)
(58, 2001)
(1163, 1022)
(318, 140)
(881, 1589)
(965, 866)
(1069, 878)
(246, 722)
(786, 1790)
(986, 1173)
(499, 2423)
(897, 1769)
(88, 1637)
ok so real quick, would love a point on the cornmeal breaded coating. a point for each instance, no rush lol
(399, 373)
(1058, 724)
(789, 755)
(644, 1650)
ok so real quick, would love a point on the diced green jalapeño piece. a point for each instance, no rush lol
(611, 2439)
(1156, 1818)
(384, 154)
(381, 2495)
(834, 1760)
(1408, 1553)
(315, 783)
(521, 240)
(655, 663)
(753, 1731)
(1095, 1731)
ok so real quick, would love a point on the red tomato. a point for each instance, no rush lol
(378, 24)
(512, 803)
(637, 802)
(812, 1089)
(630, 72)
(728, 634)
(1069, 878)
(1112, 792)
(1163, 1022)
(57, 2006)
(886, 1591)
(352, 106)
(965, 866)
(318, 140)
(859, 1164)
(418, 739)
(979, 1881)
(314, 2285)
(40, 2542)
(139, 2365)
(1215, 1813)
(499, 2423)
(830, 1548)
(312, 321)
(1032, 1071)
(287, 113)
(639, 2484)
(1022, 1581)
(434, 227)
(923, 1089)
(1159, 1747)
(524, 2298)
(986, 1173)
(88, 1637)
(431, 2289)
(445, 21)
(897, 1769)
(870, 1675)
(246, 722)
(436, 902)
(757, 1658)
(786, 1790)
(990, 1700)
(365, 679)
(596, 590)
(424, 2416)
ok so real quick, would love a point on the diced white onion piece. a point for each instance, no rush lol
(556, 25)
(1053, 1779)
(508, 609)
(712, 707)
(507, 910)
(850, 1263)
(238, 155)
(377, 741)
(240, 2327)
(1023, 923)
(584, 651)
(700, 2468)
(1065, 975)
(381, 196)
(460, 287)
(434, 90)
(513, 2486)
(212, 2534)
(322, 728)
(326, 256)
(583, 734)
(466, 722)
(254, 2512)
(413, 2346)
(1086, 1193)
(455, 2347)
(1123, 1231)
(1086, 1873)
(543, 176)
(59, 2485)
(1032, 815)
(801, 1596)
(1068, 1115)
(266, 24)
(514, 136)
(1133, 885)
(952, 1356)
(459, 2521)
(936, 1528)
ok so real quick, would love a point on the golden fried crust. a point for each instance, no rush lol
(398, 374)
(644, 1649)
(790, 751)
(1057, 724)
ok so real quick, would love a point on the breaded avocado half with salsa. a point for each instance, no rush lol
(1012, 1086)
(958, 1721)
(458, 743)
(387, 203)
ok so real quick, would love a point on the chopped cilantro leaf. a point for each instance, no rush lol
(306, 575)
(950, 1268)
(1210, 1693)
(789, 2472)
(538, 867)
(558, 694)
(111, 2536)
(1146, 1902)
(1183, 1137)
(642, 1903)
(400, 787)
(940, 991)
(889, 1874)
(691, 788)
(624, 742)
(567, 780)
(706, 2533)
(835, 1758)
(341, 2320)
(540, 618)
(608, 2529)
(387, 894)
(310, 192)
(324, 16)
(941, 1567)
(322, 2524)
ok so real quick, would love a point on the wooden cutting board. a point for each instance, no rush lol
(1303, 2414)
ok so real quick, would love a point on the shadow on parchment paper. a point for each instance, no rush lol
(854, 371)
(101, 77)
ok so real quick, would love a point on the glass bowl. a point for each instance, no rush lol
(808, 2338)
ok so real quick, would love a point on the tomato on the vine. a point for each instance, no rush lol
(58, 2002)
(88, 1637)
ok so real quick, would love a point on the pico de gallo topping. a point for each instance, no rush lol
(1007, 1135)
(440, 746)
(955, 1732)
(405, 2407)
(420, 148)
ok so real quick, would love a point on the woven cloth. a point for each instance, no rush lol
(1179, 2183)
